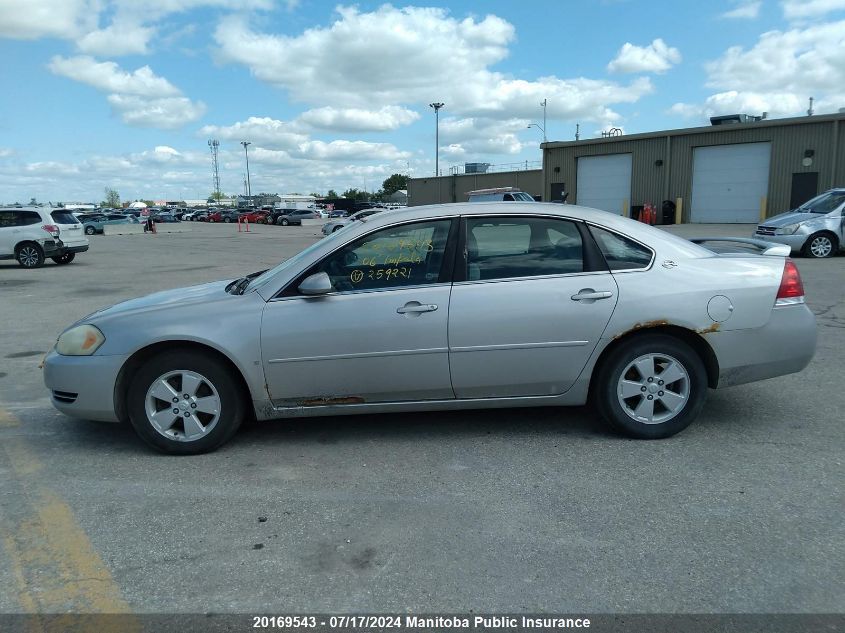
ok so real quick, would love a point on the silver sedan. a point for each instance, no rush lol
(459, 306)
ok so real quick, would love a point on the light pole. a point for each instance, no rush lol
(246, 145)
(544, 102)
(539, 127)
(436, 107)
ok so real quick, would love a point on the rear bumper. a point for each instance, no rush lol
(52, 248)
(83, 386)
(73, 249)
(784, 345)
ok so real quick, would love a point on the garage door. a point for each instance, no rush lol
(604, 182)
(728, 182)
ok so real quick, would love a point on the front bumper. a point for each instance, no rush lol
(784, 345)
(795, 242)
(83, 386)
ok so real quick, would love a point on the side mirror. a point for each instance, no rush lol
(316, 284)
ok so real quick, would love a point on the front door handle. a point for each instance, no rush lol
(588, 294)
(415, 307)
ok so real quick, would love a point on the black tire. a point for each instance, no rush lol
(90, 230)
(232, 409)
(64, 259)
(284, 222)
(337, 228)
(608, 377)
(227, 220)
(820, 245)
(29, 255)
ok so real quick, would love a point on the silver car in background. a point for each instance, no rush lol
(457, 306)
(815, 229)
(336, 224)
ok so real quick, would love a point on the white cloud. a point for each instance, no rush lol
(413, 55)
(140, 97)
(804, 9)
(5, 152)
(264, 131)
(47, 18)
(777, 75)
(657, 57)
(109, 77)
(120, 38)
(350, 150)
(745, 11)
(359, 120)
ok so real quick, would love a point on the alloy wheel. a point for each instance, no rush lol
(653, 388)
(28, 256)
(182, 405)
(821, 246)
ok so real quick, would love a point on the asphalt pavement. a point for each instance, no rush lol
(526, 510)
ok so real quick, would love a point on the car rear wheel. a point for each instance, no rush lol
(337, 228)
(651, 386)
(64, 259)
(820, 245)
(185, 402)
(284, 222)
(29, 255)
(90, 230)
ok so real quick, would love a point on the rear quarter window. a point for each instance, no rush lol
(25, 218)
(621, 253)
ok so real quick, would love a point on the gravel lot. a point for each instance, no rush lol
(493, 511)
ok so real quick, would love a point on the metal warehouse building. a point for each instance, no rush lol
(734, 172)
(731, 172)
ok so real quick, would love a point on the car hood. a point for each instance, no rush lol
(790, 217)
(202, 293)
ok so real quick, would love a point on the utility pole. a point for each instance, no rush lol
(214, 145)
(436, 107)
(246, 145)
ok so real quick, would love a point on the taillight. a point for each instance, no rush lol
(52, 229)
(791, 287)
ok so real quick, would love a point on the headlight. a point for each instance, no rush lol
(83, 340)
(789, 229)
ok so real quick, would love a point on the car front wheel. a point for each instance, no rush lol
(185, 402)
(29, 255)
(64, 259)
(650, 387)
(820, 245)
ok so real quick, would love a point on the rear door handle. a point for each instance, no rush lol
(588, 294)
(415, 307)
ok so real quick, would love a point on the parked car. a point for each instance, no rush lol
(191, 215)
(95, 223)
(338, 214)
(165, 217)
(335, 225)
(226, 215)
(499, 194)
(295, 216)
(71, 234)
(463, 306)
(29, 235)
(814, 229)
(257, 217)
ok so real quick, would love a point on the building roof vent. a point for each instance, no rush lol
(733, 118)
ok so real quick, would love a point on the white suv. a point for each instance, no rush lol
(30, 235)
(71, 232)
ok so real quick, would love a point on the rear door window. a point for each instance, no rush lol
(503, 248)
(8, 219)
(25, 218)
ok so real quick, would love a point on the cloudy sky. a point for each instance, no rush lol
(126, 94)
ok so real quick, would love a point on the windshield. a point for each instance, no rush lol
(266, 276)
(824, 203)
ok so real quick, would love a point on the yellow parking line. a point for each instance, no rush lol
(55, 566)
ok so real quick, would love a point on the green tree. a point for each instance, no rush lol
(357, 195)
(332, 194)
(112, 199)
(149, 203)
(216, 196)
(394, 183)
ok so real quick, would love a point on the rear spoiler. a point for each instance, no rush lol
(766, 248)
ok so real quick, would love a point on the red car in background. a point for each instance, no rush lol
(225, 215)
(258, 217)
